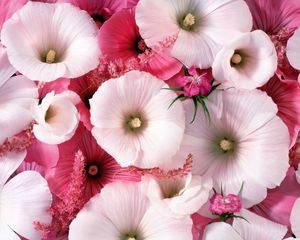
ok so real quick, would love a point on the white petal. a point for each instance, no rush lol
(6, 70)
(298, 174)
(293, 49)
(9, 164)
(295, 218)
(119, 208)
(220, 231)
(156, 227)
(257, 227)
(6, 232)
(25, 199)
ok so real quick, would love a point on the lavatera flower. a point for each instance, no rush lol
(133, 124)
(248, 62)
(48, 41)
(177, 196)
(24, 199)
(56, 117)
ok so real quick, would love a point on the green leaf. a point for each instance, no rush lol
(195, 110)
(235, 216)
(174, 89)
(241, 189)
(178, 97)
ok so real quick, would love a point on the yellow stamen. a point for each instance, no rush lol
(226, 145)
(135, 123)
(50, 57)
(236, 58)
(189, 20)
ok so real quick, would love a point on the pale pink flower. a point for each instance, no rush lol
(99, 168)
(230, 203)
(199, 82)
(247, 62)
(295, 218)
(56, 117)
(240, 143)
(200, 25)
(17, 96)
(253, 228)
(25, 198)
(119, 38)
(177, 196)
(122, 211)
(138, 128)
(278, 19)
(286, 95)
(47, 41)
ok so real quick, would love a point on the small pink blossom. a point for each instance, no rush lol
(225, 204)
(199, 82)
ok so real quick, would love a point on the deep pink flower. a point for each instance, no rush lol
(278, 19)
(85, 87)
(295, 153)
(230, 203)
(101, 10)
(286, 95)
(199, 82)
(100, 168)
(279, 202)
(119, 38)
(8, 7)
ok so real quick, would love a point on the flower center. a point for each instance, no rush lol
(92, 170)
(50, 56)
(189, 20)
(135, 123)
(226, 145)
(236, 59)
(50, 114)
(131, 238)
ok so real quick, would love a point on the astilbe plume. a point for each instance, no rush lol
(159, 173)
(18, 143)
(65, 207)
(280, 42)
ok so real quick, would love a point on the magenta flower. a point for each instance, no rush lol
(99, 167)
(199, 82)
(225, 204)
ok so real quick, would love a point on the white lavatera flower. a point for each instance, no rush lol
(123, 212)
(255, 228)
(203, 26)
(24, 199)
(56, 117)
(247, 62)
(47, 41)
(295, 218)
(17, 96)
(293, 49)
(177, 196)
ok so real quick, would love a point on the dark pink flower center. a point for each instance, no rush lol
(93, 170)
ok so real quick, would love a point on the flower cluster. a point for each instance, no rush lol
(142, 119)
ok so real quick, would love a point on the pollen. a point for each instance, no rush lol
(226, 145)
(93, 170)
(135, 123)
(50, 57)
(189, 20)
(236, 59)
